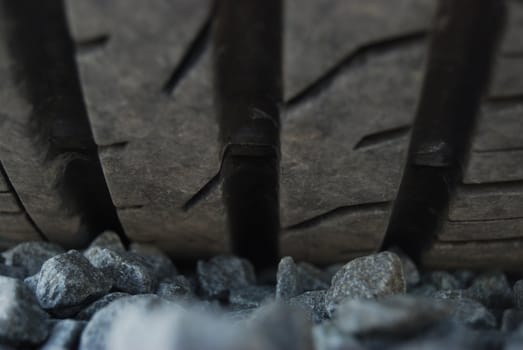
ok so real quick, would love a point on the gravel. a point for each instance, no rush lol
(410, 270)
(223, 273)
(129, 272)
(443, 280)
(511, 320)
(493, 290)
(369, 277)
(21, 319)
(175, 289)
(64, 335)
(313, 303)
(398, 315)
(99, 304)
(473, 314)
(282, 327)
(13, 271)
(69, 279)
(286, 279)
(311, 278)
(31, 255)
(32, 282)
(99, 330)
(250, 296)
(518, 294)
(372, 302)
(160, 264)
(109, 240)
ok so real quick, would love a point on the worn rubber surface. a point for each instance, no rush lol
(166, 122)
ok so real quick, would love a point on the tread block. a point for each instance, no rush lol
(320, 135)
(497, 148)
(475, 255)
(487, 202)
(8, 203)
(507, 78)
(339, 238)
(482, 230)
(15, 228)
(157, 149)
(320, 33)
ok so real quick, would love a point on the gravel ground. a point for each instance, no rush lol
(110, 297)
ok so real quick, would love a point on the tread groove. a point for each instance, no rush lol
(248, 89)
(377, 46)
(461, 52)
(20, 204)
(45, 54)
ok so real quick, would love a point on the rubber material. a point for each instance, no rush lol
(148, 81)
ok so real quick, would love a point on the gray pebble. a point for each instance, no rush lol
(250, 296)
(518, 294)
(130, 273)
(472, 313)
(7, 347)
(492, 290)
(31, 255)
(158, 261)
(283, 327)
(466, 309)
(32, 282)
(313, 303)
(328, 337)
(465, 277)
(410, 270)
(442, 280)
(287, 279)
(13, 271)
(223, 273)
(454, 336)
(310, 278)
(372, 276)
(141, 327)
(175, 289)
(97, 333)
(424, 290)
(64, 335)
(69, 279)
(455, 294)
(99, 304)
(397, 315)
(21, 319)
(514, 343)
(515, 340)
(511, 320)
(110, 240)
(330, 271)
(239, 315)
